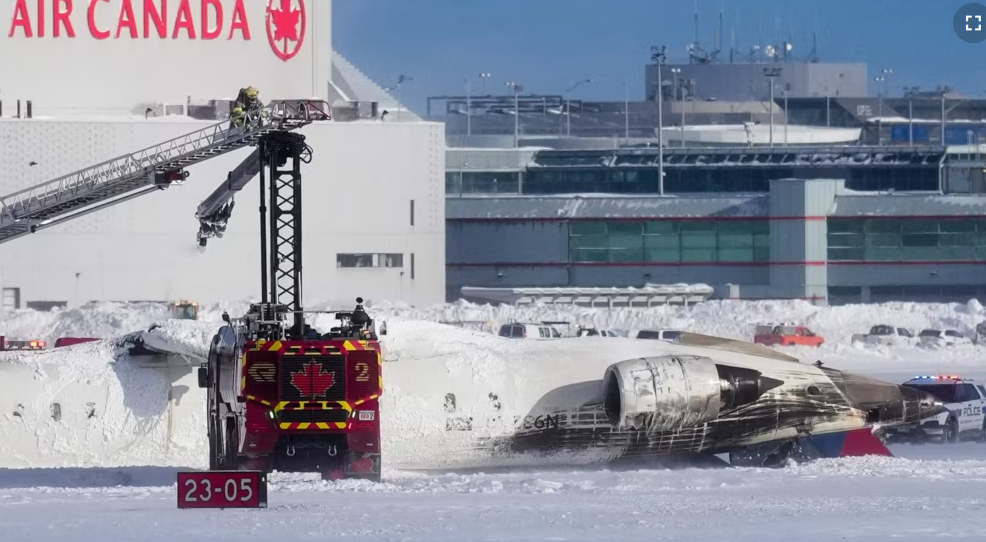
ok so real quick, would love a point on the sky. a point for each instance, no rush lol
(548, 45)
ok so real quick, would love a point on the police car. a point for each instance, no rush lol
(965, 417)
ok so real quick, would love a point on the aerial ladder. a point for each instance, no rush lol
(155, 168)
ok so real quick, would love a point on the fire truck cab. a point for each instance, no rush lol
(309, 403)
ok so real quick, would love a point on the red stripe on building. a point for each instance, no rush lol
(718, 218)
(635, 219)
(913, 262)
(706, 264)
(629, 264)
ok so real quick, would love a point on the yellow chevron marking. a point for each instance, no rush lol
(242, 383)
(275, 346)
(340, 425)
(321, 425)
(304, 425)
(348, 346)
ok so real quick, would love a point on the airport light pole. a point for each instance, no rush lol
(787, 87)
(568, 106)
(770, 74)
(680, 101)
(658, 55)
(516, 88)
(626, 111)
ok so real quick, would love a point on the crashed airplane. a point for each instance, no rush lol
(592, 399)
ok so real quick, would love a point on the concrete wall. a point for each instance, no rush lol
(357, 193)
(73, 69)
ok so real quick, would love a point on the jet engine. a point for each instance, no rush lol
(671, 392)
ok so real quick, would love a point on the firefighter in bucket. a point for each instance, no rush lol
(247, 103)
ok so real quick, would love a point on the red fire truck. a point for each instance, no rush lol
(282, 395)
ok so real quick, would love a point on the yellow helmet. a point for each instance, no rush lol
(252, 92)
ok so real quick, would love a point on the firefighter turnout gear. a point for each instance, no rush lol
(247, 102)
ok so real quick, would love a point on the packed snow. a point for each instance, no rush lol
(120, 482)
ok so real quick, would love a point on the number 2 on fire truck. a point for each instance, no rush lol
(363, 373)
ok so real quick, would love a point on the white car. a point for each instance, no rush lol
(666, 335)
(965, 401)
(937, 337)
(529, 331)
(884, 335)
(593, 332)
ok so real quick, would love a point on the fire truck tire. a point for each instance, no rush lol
(214, 445)
(231, 445)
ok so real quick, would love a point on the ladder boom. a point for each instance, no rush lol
(214, 212)
(27, 210)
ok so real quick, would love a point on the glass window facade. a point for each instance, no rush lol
(681, 180)
(910, 239)
(669, 241)
(481, 182)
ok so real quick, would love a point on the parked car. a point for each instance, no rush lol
(528, 331)
(593, 332)
(789, 335)
(937, 337)
(666, 335)
(885, 335)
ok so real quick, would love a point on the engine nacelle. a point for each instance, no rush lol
(671, 392)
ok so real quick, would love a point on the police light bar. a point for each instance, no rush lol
(938, 377)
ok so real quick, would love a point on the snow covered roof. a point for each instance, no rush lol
(742, 156)
(909, 205)
(604, 206)
(647, 296)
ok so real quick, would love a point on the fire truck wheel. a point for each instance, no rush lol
(231, 445)
(214, 445)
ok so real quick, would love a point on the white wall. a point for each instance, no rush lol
(356, 199)
(68, 75)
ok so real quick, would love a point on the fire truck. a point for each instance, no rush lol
(7, 345)
(282, 395)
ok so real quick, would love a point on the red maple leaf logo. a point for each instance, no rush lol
(285, 25)
(286, 21)
(313, 380)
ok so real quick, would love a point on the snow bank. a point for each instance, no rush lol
(112, 411)
(92, 405)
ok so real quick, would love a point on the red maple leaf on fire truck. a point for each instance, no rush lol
(286, 20)
(313, 380)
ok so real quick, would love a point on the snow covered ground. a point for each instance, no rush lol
(927, 491)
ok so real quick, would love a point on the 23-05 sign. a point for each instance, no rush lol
(222, 489)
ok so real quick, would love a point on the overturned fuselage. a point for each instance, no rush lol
(586, 400)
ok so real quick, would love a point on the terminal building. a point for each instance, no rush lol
(825, 193)
(83, 86)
